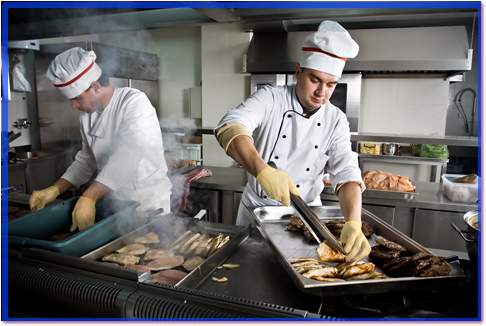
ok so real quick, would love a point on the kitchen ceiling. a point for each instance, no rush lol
(38, 23)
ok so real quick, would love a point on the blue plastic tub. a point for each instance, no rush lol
(114, 218)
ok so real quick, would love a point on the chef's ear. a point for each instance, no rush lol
(96, 86)
(298, 70)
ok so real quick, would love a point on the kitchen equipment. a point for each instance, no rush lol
(113, 218)
(169, 228)
(372, 193)
(461, 192)
(271, 221)
(388, 148)
(27, 155)
(472, 221)
(320, 232)
(369, 147)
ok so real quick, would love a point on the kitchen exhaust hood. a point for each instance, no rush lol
(386, 52)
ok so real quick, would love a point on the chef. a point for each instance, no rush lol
(301, 132)
(121, 142)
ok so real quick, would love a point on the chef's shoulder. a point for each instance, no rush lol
(132, 97)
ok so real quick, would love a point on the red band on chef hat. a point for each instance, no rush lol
(73, 71)
(327, 49)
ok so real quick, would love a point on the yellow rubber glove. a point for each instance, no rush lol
(355, 240)
(277, 185)
(83, 213)
(41, 198)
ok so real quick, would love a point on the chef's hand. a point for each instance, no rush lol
(277, 185)
(355, 240)
(83, 214)
(40, 198)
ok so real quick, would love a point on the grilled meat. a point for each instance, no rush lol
(165, 263)
(119, 258)
(326, 253)
(142, 268)
(299, 260)
(328, 279)
(193, 262)
(323, 271)
(382, 252)
(367, 276)
(150, 237)
(133, 249)
(188, 243)
(169, 277)
(158, 253)
(389, 244)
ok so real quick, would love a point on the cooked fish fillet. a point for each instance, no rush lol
(121, 258)
(328, 279)
(202, 246)
(150, 237)
(298, 260)
(183, 238)
(142, 268)
(133, 249)
(324, 271)
(165, 263)
(158, 253)
(326, 253)
(193, 262)
(358, 269)
(169, 277)
(191, 240)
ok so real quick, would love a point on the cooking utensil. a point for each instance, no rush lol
(472, 235)
(320, 232)
(200, 215)
(388, 148)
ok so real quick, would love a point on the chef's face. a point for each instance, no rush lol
(87, 101)
(314, 87)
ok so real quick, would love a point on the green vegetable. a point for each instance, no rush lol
(416, 149)
(434, 151)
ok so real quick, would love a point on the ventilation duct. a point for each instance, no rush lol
(417, 51)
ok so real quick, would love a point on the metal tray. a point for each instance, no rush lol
(272, 220)
(169, 227)
(388, 194)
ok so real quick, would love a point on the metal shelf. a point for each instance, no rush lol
(417, 139)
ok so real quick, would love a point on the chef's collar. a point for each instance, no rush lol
(306, 113)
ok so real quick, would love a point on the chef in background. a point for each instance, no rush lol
(121, 142)
(298, 129)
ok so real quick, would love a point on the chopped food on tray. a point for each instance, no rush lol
(165, 263)
(119, 258)
(379, 180)
(322, 271)
(158, 253)
(133, 249)
(169, 277)
(349, 269)
(420, 265)
(150, 237)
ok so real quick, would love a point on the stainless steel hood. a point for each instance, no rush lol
(391, 52)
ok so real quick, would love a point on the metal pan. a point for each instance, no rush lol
(371, 193)
(272, 220)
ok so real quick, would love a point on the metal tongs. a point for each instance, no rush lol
(316, 227)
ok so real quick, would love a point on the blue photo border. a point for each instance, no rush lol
(195, 4)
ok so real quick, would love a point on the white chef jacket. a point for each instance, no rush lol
(299, 146)
(123, 143)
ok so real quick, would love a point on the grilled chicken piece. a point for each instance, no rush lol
(328, 279)
(158, 253)
(298, 260)
(186, 244)
(124, 259)
(223, 241)
(326, 253)
(133, 249)
(169, 277)
(202, 245)
(183, 238)
(142, 268)
(165, 263)
(367, 276)
(324, 271)
(190, 250)
(193, 262)
(357, 269)
(150, 237)
(215, 243)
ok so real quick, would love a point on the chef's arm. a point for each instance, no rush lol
(95, 191)
(238, 144)
(352, 236)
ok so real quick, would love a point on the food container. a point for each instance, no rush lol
(471, 219)
(388, 148)
(370, 148)
(461, 192)
(113, 219)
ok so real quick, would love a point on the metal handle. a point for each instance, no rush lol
(461, 233)
(22, 123)
(201, 213)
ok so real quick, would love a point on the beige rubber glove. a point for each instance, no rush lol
(41, 198)
(83, 213)
(277, 185)
(353, 237)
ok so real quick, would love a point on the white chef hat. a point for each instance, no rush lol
(328, 48)
(73, 71)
